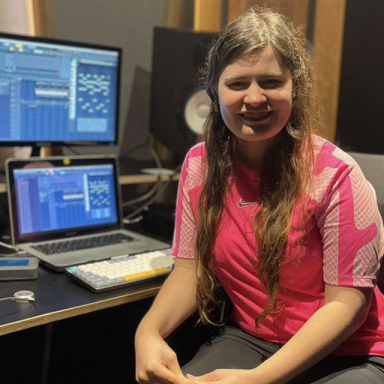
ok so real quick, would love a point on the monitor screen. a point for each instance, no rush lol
(51, 199)
(55, 92)
(53, 195)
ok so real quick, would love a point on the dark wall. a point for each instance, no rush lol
(127, 24)
(360, 125)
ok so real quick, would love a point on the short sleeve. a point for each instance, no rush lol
(189, 189)
(349, 222)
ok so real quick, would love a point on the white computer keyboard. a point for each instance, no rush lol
(122, 271)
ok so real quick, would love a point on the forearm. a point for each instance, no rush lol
(175, 301)
(319, 336)
(155, 360)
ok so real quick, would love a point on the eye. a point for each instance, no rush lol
(237, 85)
(271, 83)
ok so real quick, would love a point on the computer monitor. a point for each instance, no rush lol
(55, 92)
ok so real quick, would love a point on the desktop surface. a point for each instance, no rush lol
(58, 297)
(63, 337)
(70, 326)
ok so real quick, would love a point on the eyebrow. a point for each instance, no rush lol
(264, 75)
(273, 74)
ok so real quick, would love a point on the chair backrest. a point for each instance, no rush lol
(372, 166)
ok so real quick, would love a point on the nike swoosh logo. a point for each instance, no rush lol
(243, 204)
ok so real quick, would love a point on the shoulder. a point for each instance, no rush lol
(194, 167)
(332, 166)
(328, 155)
(198, 152)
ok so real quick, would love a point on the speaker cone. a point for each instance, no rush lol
(196, 111)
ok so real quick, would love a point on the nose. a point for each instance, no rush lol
(254, 94)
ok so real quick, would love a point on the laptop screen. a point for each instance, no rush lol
(60, 196)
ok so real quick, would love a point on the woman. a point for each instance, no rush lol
(282, 219)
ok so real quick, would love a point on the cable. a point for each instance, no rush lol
(71, 149)
(8, 246)
(133, 221)
(129, 218)
(138, 146)
(150, 202)
(21, 297)
(154, 188)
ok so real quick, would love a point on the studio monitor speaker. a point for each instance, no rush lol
(179, 103)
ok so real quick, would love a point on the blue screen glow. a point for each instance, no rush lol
(57, 93)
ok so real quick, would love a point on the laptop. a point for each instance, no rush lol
(55, 203)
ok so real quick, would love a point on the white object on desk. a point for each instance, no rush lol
(158, 171)
(21, 297)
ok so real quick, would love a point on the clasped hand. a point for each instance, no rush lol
(220, 376)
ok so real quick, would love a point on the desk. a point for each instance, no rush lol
(73, 300)
(58, 298)
(52, 336)
(63, 337)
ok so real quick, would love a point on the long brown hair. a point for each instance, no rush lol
(288, 165)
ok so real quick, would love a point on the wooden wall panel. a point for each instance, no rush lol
(207, 15)
(327, 56)
(179, 14)
(43, 14)
(294, 10)
(172, 13)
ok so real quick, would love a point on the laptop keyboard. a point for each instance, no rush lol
(119, 272)
(82, 243)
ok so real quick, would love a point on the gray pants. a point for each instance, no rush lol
(235, 349)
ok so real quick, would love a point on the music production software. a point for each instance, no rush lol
(62, 198)
(57, 93)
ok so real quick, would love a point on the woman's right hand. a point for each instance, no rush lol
(156, 362)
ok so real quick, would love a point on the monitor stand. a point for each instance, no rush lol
(36, 151)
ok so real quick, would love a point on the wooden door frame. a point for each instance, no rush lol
(43, 17)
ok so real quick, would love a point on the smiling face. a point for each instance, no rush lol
(255, 97)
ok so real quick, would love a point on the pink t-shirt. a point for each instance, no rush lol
(343, 245)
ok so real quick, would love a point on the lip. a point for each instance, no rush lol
(255, 116)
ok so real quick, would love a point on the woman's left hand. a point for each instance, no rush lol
(224, 376)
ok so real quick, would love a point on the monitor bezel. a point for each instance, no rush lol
(13, 164)
(76, 44)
